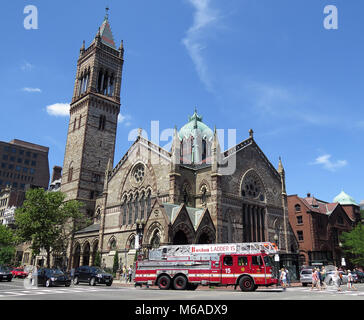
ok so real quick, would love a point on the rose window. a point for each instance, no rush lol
(138, 173)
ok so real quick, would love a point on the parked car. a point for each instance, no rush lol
(92, 276)
(306, 277)
(329, 278)
(5, 273)
(359, 276)
(19, 273)
(51, 277)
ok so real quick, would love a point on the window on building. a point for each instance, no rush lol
(70, 174)
(5, 157)
(340, 220)
(300, 235)
(102, 122)
(299, 220)
(35, 155)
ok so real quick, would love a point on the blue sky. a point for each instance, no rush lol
(267, 65)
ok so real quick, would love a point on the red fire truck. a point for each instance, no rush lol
(247, 265)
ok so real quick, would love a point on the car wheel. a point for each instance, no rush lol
(246, 284)
(75, 280)
(9, 279)
(109, 284)
(180, 283)
(67, 284)
(164, 282)
(92, 282)
(48, 283)
(304, 284)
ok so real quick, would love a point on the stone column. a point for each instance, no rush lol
(259, 230)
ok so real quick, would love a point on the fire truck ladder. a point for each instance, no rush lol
(191, 251)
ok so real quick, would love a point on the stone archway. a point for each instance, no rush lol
(180, 238)
(206, 236)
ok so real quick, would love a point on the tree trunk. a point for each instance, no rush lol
(48, 258)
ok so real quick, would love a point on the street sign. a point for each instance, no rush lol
(343, 263)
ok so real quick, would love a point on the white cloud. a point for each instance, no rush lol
(204, 18)
(58, 109)
(328, 164)
(32, 90)
(26, 66)
(125, 119)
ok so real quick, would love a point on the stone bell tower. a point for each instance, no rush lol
(93, 118)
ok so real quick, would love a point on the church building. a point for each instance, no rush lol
(193, 193)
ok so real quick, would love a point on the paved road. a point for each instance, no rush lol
(15, 290)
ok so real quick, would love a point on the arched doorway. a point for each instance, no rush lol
(76, 256)
(204, 239)
(86, 254)
(180, 238)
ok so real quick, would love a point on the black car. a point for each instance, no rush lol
(360, 276)
(52, 277)
(5, 273)
(92, 276)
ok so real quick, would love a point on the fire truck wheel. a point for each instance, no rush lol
(164, 282)
(180, 283)
(246, 284)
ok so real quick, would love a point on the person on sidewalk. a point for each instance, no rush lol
(336, 279)
(315, 280)
(323, 277)
(288, 277)
(351, 281)
(283, 279)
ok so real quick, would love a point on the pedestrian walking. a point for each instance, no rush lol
(125, 272)
(72, 273)
(130, 272)
(315, 280)
(336, 279)
(323, 277)
(288, 277)
(283, 279)
(351, 281)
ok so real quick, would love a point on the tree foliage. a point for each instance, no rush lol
(115, 267)
(353, 244)
(97, 262)
(48, 221)
(7, 245)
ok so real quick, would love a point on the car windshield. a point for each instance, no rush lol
(56, 272)
(309, 271)
(4, 269)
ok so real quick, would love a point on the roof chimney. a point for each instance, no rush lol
(308, 195)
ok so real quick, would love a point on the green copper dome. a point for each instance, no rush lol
(345, 199)
(195, 127)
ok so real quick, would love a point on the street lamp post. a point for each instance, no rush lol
(140, 224)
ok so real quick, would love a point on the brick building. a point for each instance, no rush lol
(23, 163)
(317, 225)
(155, 196)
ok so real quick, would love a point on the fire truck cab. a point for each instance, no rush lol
(185, 267)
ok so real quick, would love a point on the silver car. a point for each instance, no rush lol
(306, 277)
(329, 278)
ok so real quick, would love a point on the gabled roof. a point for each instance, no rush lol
(92, 228)
(195, 214)
(344, 199)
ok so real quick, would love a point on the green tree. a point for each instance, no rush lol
(97, 261)
(48, 221)
(353, 244)
(115, 266)
(7, 245)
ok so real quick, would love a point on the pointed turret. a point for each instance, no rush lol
(283, 175)
(216, 152)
